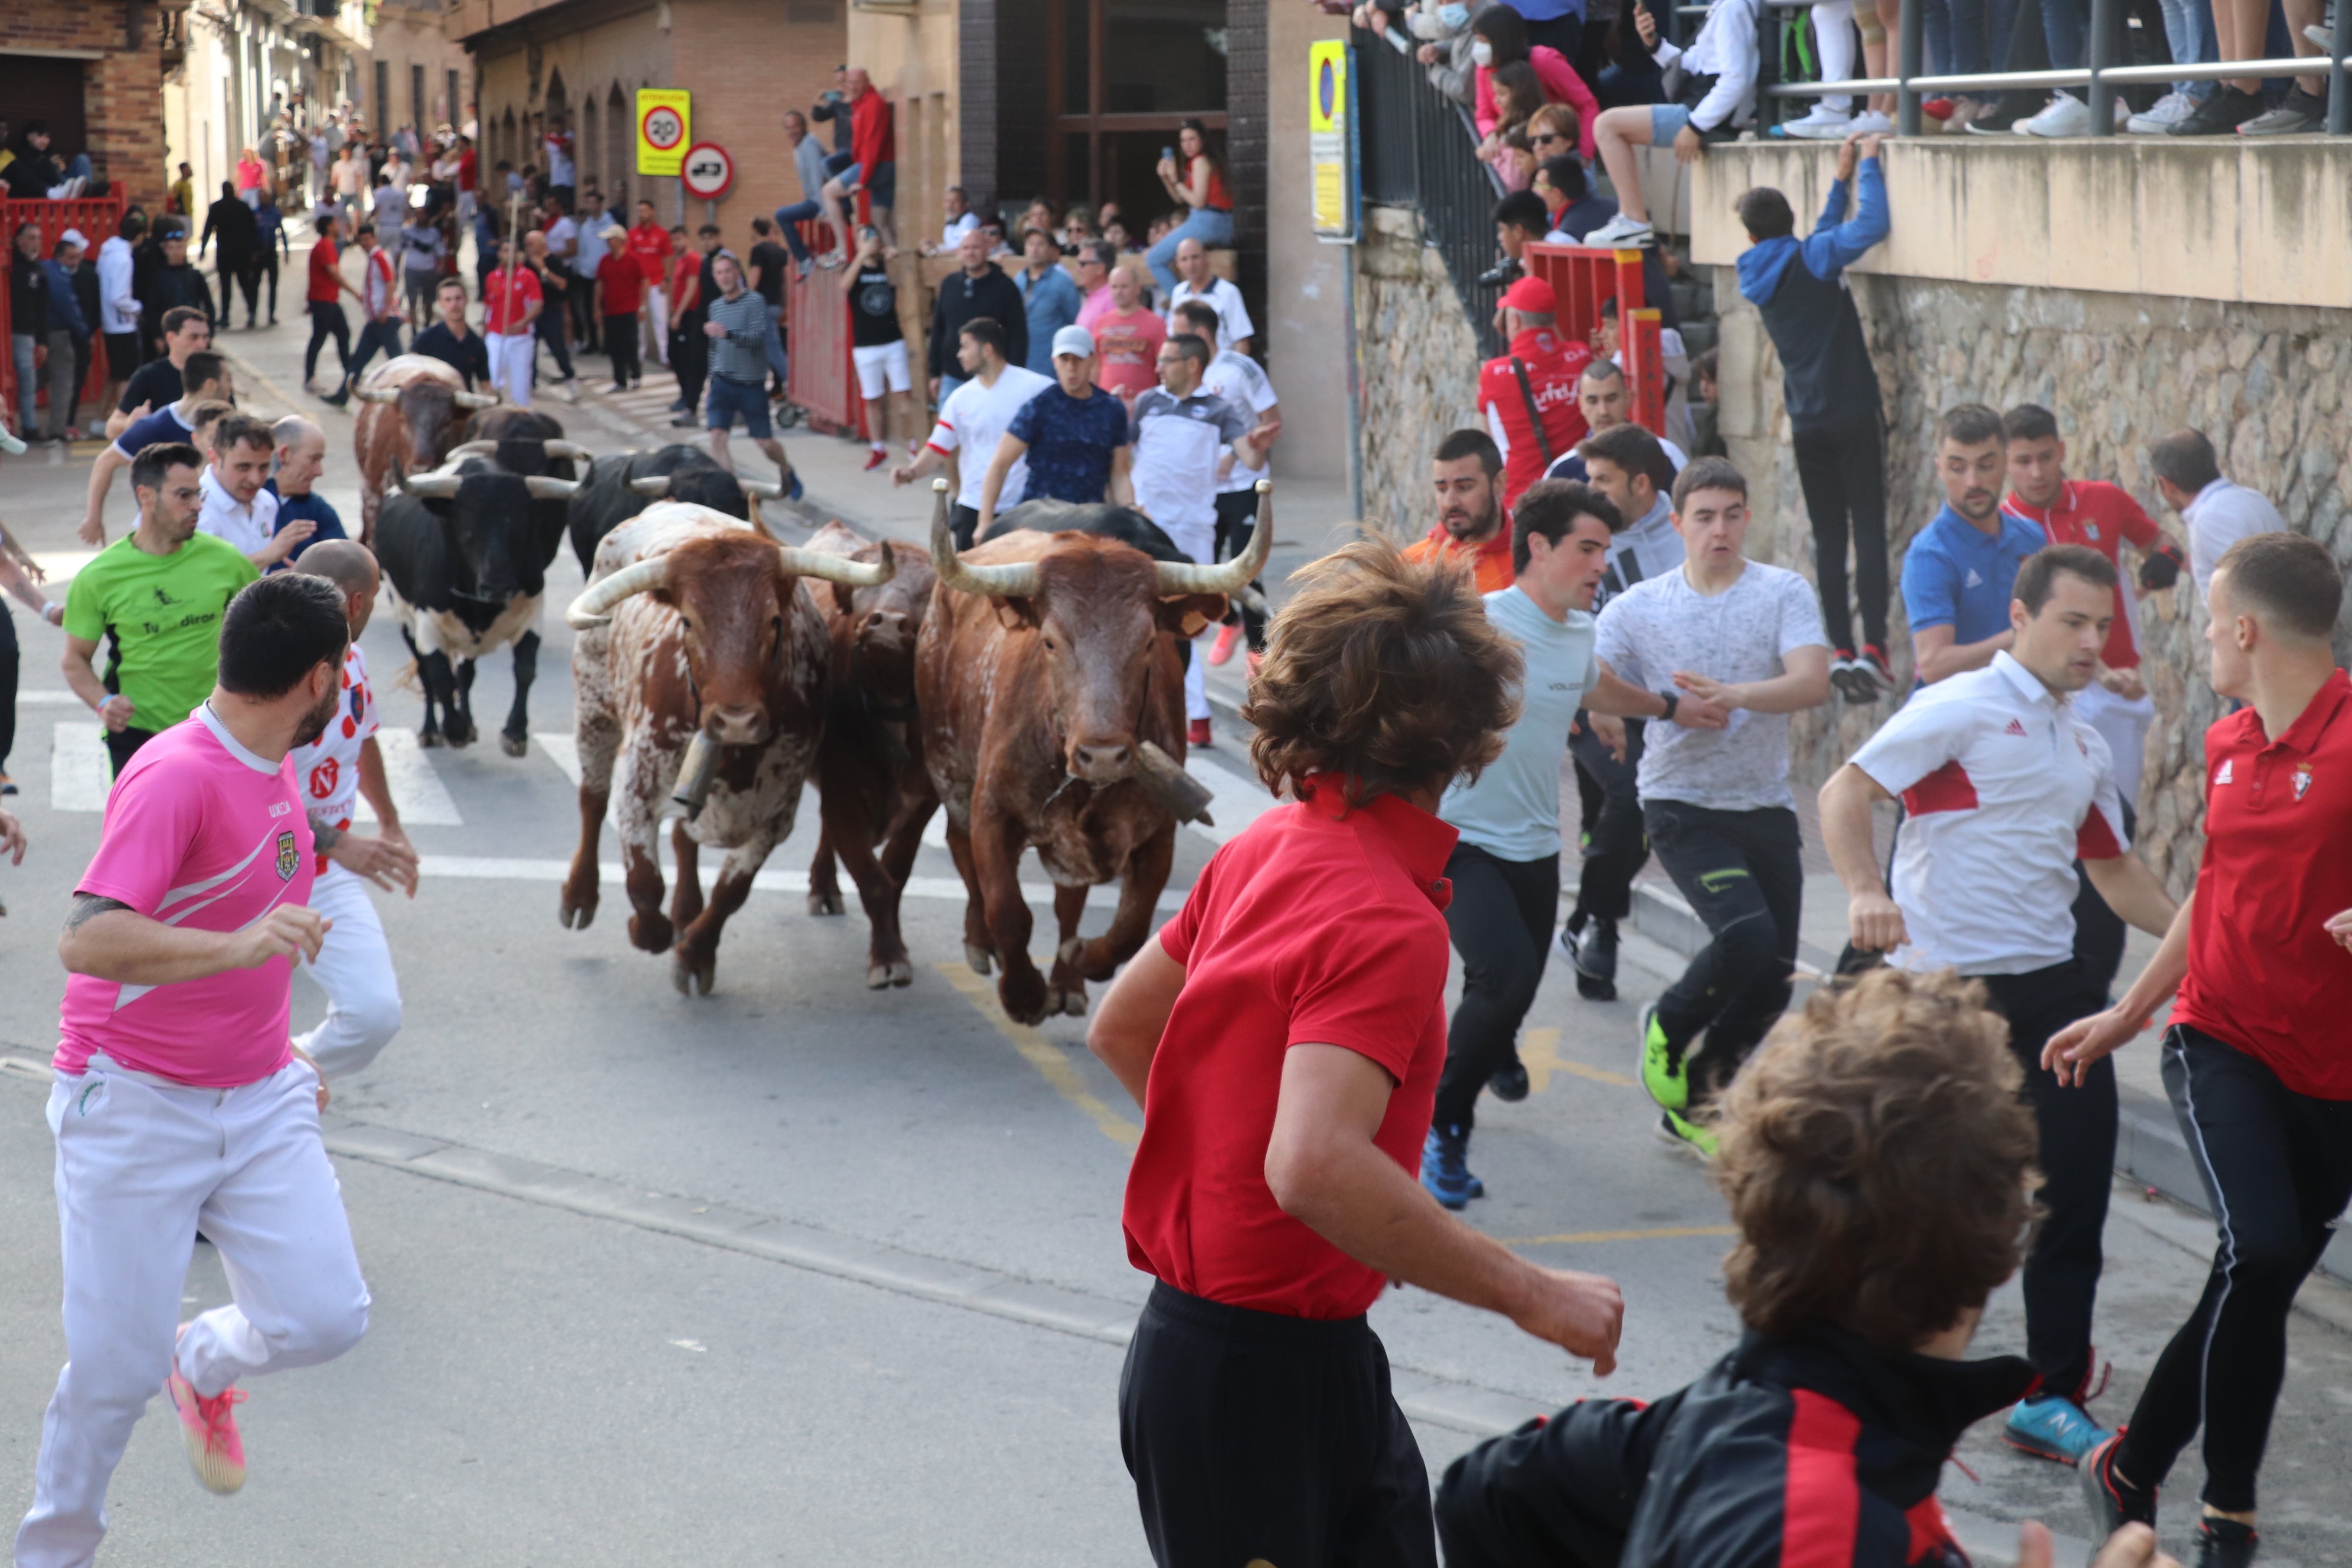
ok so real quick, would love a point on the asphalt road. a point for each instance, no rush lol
(803, 1273)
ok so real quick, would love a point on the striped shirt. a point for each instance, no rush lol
(743, 354)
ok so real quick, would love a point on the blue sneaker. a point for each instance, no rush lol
(2052, 1428)
(795, 490)
(1445, 1171)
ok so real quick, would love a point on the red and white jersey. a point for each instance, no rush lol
(2104, 517)
(327, 769)
(2004, 787)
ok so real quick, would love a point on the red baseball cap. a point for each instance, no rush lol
(1532, 296)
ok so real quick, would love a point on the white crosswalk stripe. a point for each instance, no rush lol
(80, 777)
(80, 774)
(416, 790)
(504, 869)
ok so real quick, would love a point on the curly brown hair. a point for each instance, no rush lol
(1383, 670)
(1878, 1162)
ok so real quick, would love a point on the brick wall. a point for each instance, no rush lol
(121, 92)
(1246, 140)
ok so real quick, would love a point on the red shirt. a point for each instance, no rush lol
(1316, 924)
(623, 283)
(2101, 515)
(1489, 558)
(2263, 974)
(1553, 367)
(649, 243)
(326, 283)
(872, 139)
(505, 309)
(1220, 198)
(1126, 350)
(685, 275)
(465, 166)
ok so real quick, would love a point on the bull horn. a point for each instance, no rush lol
(475, 400)
(472, 449)
(376, 393)
(766, 490)
(544, 487)
(658, 485)
(839, 569)
(596, 604)
(1012, 581)
(1235, 575)
(560, 449)
(431, 487)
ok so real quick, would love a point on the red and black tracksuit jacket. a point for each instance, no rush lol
(1818, 1450)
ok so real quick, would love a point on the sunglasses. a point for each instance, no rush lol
(1542, 137)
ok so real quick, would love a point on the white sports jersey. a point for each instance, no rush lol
(974, 419)
(1242, 382)
(2004, 787)
(327, 769)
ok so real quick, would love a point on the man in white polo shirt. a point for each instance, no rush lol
(1195, 281)
(237, 508)
(974, 419)
(2004, 787)
(1178, 432)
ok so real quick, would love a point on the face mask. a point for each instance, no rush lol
(1455, 17)
(1483, 52)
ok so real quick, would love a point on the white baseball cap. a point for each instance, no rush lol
(1073, 339)
(74, 236)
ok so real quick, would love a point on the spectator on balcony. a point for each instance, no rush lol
(34, 172)
(1501, 41)
(1527, 395)
(873, 157)
(1192, 180)
(808, 162)
(1571, 210)
(1553, 131)
(1518, 93)
(1519, 221)
(956, 220)
(1631, 75)
(1446, 41)
(2216, 512)
(1605, 398)
(1714, 88)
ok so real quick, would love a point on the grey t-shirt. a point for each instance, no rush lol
(1663, 624)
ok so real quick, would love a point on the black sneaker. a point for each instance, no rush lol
(2112, 1504)
(7, 785)
(1509, 1085)
(2220, 114)
(1596, 961)
(2225, 1543)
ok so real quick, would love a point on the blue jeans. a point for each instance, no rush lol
(2188, 30)
(1972, 36)
(790, 219)
(1210, 227)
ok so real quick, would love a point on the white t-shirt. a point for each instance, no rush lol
(1513, 811)
(248, 527)
(1242, 382)
(558, 159)
(327, 769)
(1176, 447)
(973, 420)
(1232, 317)
(2004, 787)
(562, 233)
(1664, 625)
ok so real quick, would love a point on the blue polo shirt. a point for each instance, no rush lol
(164, 426)
(313, 506)
(1955, 576)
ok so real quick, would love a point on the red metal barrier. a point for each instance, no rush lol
(823, 378)
(98, 218)
(1583, 280)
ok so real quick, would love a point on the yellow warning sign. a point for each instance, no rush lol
(665, 129)
(1328, 152)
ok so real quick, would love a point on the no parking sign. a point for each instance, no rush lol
(665, 122)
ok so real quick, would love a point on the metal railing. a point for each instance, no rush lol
(2102, 76)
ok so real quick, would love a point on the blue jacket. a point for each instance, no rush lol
(1050, 304)
(65, 309)
(1827, 378)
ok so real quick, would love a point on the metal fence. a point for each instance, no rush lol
(1420, 151)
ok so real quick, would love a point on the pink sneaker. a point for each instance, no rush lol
(1227, 635)
(208, 1426)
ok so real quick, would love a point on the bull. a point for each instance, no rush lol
(413, 410)
(697, 627)
(465, 552)
(619, 487)
(1052, 708)
(872, 787)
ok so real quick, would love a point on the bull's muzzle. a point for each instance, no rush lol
(736, 723)
(1101, 761)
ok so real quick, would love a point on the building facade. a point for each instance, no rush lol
(230, 70)
(415, 74)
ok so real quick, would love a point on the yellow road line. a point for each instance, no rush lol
(1539, 1054)
(1044, 1055)
(1578, 1237)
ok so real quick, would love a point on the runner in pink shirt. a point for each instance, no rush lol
(179, 1102)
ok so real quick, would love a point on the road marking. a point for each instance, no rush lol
(564, 751)
(1584, 1238)
(422, 800)
(79, 773)
(512, 868)
(49, 700)
(1539, 1054)
(1237, 802)
(1044, 1055)
(58, 565)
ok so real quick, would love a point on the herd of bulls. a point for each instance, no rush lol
(1033, 685)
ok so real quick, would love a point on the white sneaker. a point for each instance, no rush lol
(2324, 36)
(1823, 124)
(2064, 115)
(2162, 115)
(1872, 123)
(1620, 230)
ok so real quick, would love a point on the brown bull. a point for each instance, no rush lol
(1046, 673)
(695, 624)
(872, 787)
(412, 410)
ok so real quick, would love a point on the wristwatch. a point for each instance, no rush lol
(1672, 701)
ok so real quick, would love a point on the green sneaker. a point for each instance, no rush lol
(1685, 1134)
(1664, 1073)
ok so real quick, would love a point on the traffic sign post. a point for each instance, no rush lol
(665, 125)
(707, 170)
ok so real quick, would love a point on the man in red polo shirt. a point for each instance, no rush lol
(510, 303)
(1473, 528)
(1528, 395)
(325, 300)
(2256, 1059)
(649, 243)
(1285, 1036)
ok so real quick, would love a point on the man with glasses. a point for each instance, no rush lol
(1092, 269)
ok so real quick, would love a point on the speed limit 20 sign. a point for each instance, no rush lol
(664, 127)
(707, 172)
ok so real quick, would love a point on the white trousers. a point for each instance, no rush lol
(510, 361)
(354, 969)
(656, 320)
(2124, 726)
(1199, 541)
(142, 1164)
(1835, 33)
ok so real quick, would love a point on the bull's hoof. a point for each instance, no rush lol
(459, 731)
(430, 739)
(576, 915)
(877, 977)
(980, 957)
(1068, 951)
(693, 974)
(1072, 1003)
(514, 745)
(1025, 999)
(650, 930)
(826, 902)
(902, 973)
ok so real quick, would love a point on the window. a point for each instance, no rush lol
(620, 142)
(588, 146)
(449, 109)
(417, 103)
(1122, 74)
(382, 125)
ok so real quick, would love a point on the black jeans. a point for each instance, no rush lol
(2078, 1161)
(963, 523)
(375, 335)
(1237, 526)
(1254, 1437)
(1500, 919)
(1616, 846)
(11, 658)
(2277, 1167)
(241, 274)
(621, 343)
(689, 357)
(327, 320)
(123, 744)
(1743, 874)
(266, 269)
(2099, 931)
(554, 330)
(1843, 472)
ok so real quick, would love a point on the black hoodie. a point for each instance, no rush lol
(1819, 1450)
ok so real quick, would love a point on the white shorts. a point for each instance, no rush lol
(881, 363)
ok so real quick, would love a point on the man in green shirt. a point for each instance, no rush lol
(159, 594)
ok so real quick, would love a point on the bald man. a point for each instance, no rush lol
(1195, 281)
(343, 765)
(299, 458)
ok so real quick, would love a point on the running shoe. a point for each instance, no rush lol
(1221, 652)
(1622, 233)
(1257, 658)
(1938, 108)
(1684, 1133)
(1445, 1170)
(9, 444)
(1595, 958)
(1197, 733)
(7, 785)
(569, 390)
(1874, 664)
(1664, 1071)
(2052, 1428)
(2228, 109)
(1823, 124)
(687, 422)
(2325, 37)
(1510, 1085)
(208, 1427)
(2064, 115)
(2162, 115)
(2113, 1503)
(2225, 1543)
(1872, 123)
(2299, 113)
(876, 457)
(793, 488)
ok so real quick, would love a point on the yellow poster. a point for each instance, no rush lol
(1327, 137)
(665, 129)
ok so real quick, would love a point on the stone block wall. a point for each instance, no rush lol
(1420, 367)
(2266, 382)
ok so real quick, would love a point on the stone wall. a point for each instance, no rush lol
(1420, 366)
(2265, 382)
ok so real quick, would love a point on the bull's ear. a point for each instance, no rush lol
(844, 597)
(1016, 614)
(1188, 615)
